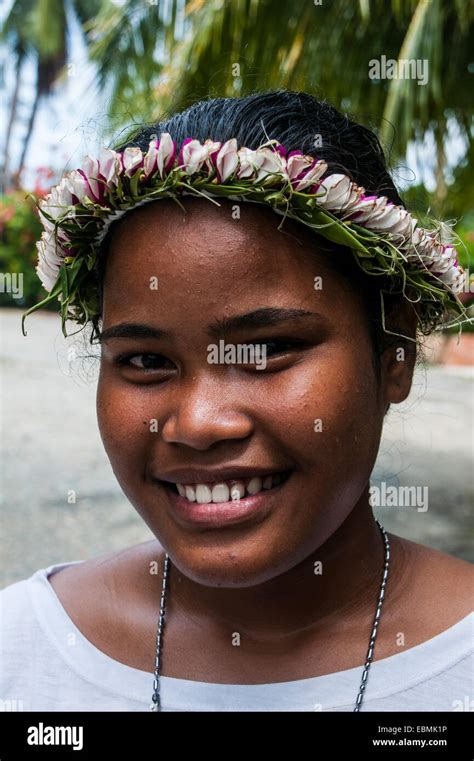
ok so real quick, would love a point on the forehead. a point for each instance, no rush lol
(234, 233)
(222, 258)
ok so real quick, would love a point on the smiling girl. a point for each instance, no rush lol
(270, 586)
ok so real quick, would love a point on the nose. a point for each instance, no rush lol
(205, 411)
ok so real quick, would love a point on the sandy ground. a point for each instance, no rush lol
(51, 445)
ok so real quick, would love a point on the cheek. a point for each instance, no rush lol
(124, 418)
(329, 411)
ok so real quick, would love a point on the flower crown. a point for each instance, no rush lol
(384, 238)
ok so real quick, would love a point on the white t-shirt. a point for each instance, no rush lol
(48, 665)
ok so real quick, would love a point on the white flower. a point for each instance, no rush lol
(438, 258)
(59, 197)
(422, 246)
(64, 195)
(296, 163)
(149, 161)
(392, 219)
(227, 159)
(90, 167)
(381, 215)
(369, 209)
(78, 185)
(260, 164)
(46, 275)
(194, 154)
(454, 278)
(49, 260)
(312, 176)
(132, 158)
(56, 203)
(433, 254)
(444, 260)
(110, 166)
(341, 193)
(247, 163)
(212, 147)
(166, 153)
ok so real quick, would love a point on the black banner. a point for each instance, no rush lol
(380, 735)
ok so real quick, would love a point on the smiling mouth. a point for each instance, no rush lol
(229, 490)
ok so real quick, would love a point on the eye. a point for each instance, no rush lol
(145, 362)
(273, 354)
(281, 346)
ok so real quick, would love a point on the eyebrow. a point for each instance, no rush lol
(259, 318)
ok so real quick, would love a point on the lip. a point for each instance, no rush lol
(222, 514)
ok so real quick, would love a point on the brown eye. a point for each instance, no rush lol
(145, 362)
(281, 346)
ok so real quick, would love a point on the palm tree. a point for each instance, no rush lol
(129, 42)
(15, 34)
(155, 56)
(234, 47)
(38, 29)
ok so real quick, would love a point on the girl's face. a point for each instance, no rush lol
(310, 405)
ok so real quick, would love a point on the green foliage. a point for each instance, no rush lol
(202, 48)
(20, 228)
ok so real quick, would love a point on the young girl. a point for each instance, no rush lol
(257, 289)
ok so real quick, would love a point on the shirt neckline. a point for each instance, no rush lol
(338, 689)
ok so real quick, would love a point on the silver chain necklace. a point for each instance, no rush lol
(156, 699)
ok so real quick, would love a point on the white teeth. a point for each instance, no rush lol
(203, 494)
(223, 492)
(220, 493)
(254, 485)
(237, 491)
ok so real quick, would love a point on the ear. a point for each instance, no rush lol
(399, 356)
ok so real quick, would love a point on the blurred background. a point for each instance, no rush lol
(77, 74)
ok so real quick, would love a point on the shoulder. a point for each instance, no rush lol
(432, 588)
(435, 565)
(111, 600)
(112, 578)
(23, 602)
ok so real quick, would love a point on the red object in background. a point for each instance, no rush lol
(44, 180)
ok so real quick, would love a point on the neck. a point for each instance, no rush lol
(352, 560)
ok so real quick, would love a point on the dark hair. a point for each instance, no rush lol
(299, 122)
